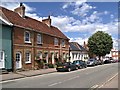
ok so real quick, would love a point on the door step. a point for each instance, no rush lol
(3, 71)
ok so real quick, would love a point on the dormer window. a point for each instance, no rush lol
(27, 37)
(55, 41)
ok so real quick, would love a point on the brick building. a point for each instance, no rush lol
(115, 54)
(35, 41)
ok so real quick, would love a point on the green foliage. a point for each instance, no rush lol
(51, 65)
(100, 43)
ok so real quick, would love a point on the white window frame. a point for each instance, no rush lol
(28, 57)
(26, 37)
(18, 58)
(56, 41)
(63, 43)
(2, 55)
(39, 38)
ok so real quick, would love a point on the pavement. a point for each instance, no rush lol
(23, 74)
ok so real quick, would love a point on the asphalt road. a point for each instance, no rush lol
(90, 77)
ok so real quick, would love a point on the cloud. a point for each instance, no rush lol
(79, 40)
(116, 43)
(106, 12)
(28, 10)
(66, 5)
(10, 5)
(88, 25)
(82, 9)
(111, 16)
(13, 5)
(73, 3)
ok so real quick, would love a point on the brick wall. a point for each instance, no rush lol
(47, 46)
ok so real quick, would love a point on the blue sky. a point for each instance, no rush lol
(78, 20)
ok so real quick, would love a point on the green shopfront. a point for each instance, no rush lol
(5, 47)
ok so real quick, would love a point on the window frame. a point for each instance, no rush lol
(28, 61)
(40, 38)
(26, 37)
(63, 43)
(56, 42)
(16, 56)
(2, 55)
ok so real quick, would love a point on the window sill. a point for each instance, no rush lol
(28, 42)
(63, 46)
(27, 62)
(39, 43)
(56, 45)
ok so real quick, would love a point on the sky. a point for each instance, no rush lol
(78, 20)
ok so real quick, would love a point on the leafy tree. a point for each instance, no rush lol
(100, 43)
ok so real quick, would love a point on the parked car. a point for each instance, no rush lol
(80, 63)
(92, 62)
(67, 66)
(114, 61)
(107, 61)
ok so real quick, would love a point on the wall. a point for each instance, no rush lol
(46, 47)
(7, 45)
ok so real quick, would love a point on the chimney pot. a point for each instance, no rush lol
(21, 4)
(20, 10)
(47, 21)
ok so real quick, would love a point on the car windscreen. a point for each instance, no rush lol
(91, 60)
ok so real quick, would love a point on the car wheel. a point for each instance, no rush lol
(80, 67)
(58, 70)
(76, 68)
(69, 69)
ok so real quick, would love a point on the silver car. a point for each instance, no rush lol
(92, 62)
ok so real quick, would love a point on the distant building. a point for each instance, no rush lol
(115, 54)
(77, 52)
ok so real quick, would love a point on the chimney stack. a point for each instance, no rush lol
(47, 21)
(20, 10)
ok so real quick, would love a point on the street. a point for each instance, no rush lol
(91, 77)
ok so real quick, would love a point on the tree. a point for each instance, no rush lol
(100, 44)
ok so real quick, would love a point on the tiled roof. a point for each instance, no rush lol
(74, 46)
(31, 23)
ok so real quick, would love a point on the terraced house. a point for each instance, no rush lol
(78, 52)
(35, 42)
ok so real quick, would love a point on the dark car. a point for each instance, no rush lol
(67, 66)
(92, 62)
(107, 61)
(80, 63)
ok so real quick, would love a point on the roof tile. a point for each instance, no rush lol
(34, 24)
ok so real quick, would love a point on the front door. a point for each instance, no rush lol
(18, 60)
(2, 59)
